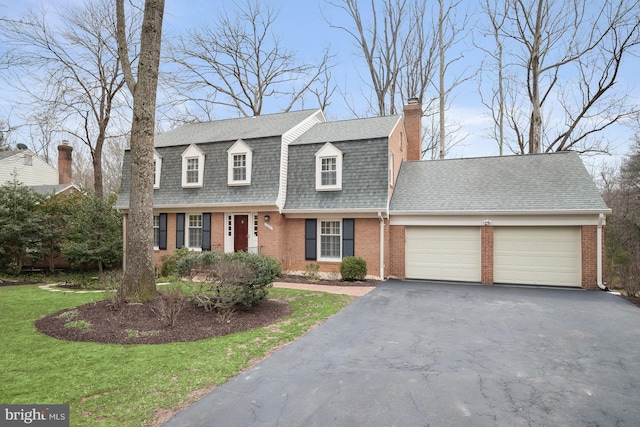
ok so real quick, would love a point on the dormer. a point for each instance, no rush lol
(157, 169)
(192, 167)
(328, 168)
(240, 157)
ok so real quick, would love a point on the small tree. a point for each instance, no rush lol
(54, 211)
(94, 233)
(20, 225)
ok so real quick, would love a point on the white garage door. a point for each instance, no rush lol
(443, 253)
(537, 255)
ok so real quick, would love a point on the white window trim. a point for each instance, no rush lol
(239, 147)
(391, 170)
(190, 153)
(328, 150)
(158, 169)
(187, 242)
(319, 239)
(156, 247)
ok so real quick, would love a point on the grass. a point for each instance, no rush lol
(114, 385)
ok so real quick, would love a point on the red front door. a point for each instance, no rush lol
(240, 233)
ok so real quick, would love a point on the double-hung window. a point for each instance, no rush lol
(240, 158)
(330, 238)
(194, 231)
(192, 167)
(240, 167)
(192, 170)
(328, 173)
(156, 231)
(329, 168)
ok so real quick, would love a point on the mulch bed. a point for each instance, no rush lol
(292, 278)
(142, 323)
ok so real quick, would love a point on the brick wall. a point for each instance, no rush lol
(413, 127)
(486, 243)
(367, 244)
(272, 242)
(395, 251)
(589, 257)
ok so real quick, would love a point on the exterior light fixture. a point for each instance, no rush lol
(267, 218)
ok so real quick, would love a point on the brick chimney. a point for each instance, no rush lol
(64, 163)
(413, 128)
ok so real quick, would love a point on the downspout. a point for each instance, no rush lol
(381, 245)
(599, 253)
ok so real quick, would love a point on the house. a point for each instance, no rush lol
(34, 172)
(304, 190)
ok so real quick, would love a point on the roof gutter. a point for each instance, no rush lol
(506, 212)
(601, 285)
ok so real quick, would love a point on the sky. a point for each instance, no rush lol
(302, 26)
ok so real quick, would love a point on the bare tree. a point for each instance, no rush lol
(69, 67)
(239, 63)
(139, 276)
(382, 42)
(567, 55)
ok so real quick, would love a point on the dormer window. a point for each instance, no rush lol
(192, 167)
(329, 168)
(157, 168)
(239, 164)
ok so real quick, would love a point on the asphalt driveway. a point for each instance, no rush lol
(418, 354)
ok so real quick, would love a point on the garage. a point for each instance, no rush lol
(537, 255)
(443, 253)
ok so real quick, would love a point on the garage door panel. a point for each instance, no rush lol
(537, 255)
(443, 253)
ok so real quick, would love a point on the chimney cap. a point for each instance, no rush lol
(413, 100)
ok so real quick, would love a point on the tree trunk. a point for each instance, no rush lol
(139, 277)
(535, 127)
(442, 74)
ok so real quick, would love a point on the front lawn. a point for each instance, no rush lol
(131, 385)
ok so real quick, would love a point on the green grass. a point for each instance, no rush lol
(118, 385)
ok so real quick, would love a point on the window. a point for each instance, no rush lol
(157, 167)
(192, 167)
(328, 173)
(194, 231)
(239, 163)
(239, 167)
(391, 174)
(330, 239)
(192, 170)
(156, 231)
(328, 168)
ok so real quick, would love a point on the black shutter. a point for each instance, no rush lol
(310, 248)
(206, 231)
(179, 230)
(162, 244)
(348, 234)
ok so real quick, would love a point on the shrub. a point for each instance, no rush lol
(169, 262)
(311, 272)
(223, 281)
(353, 268)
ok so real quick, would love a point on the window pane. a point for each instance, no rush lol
(195, 231)
(156, 230)
(328, 174)
(240, 167)
(330, 239)
(192, 170)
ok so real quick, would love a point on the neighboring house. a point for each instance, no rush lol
(35, 173)
(304, 190)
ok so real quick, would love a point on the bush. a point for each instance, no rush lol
(169, 262)
(223, 281)
(353, 268)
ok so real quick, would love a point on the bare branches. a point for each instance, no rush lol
(240, 63)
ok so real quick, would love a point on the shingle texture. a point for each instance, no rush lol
(358, 129)
(215, 190)
(541, 182)
(232, 129)
(364, 177)
(7, 153)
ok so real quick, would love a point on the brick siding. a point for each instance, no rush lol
(486, 242)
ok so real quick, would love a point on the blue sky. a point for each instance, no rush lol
(303, 28)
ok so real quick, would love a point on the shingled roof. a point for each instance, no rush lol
(233, 129)
(532, 183)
